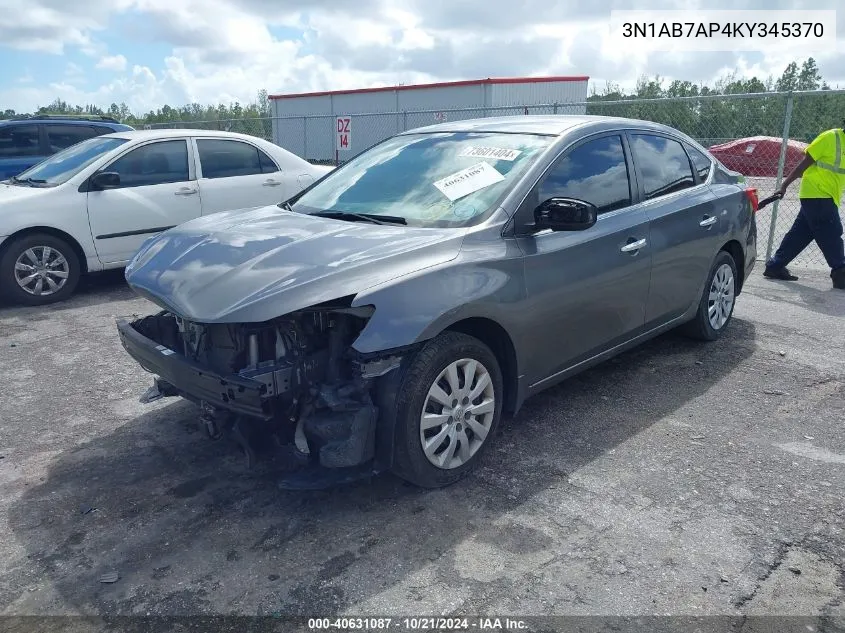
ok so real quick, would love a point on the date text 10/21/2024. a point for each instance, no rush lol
(417, 624)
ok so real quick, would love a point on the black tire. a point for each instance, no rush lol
(410, 462)
(10, 288)
(700, 327)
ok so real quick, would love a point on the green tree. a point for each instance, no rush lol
(809, 78)
(789, 79)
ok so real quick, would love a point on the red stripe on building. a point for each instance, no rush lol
(444, 84)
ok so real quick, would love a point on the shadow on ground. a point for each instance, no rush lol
(827, 301)
(93, 289)
(189, 532)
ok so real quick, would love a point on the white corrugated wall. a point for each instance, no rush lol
(381, 114)
(537, 93)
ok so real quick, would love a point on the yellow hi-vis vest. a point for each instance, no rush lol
(826, 177)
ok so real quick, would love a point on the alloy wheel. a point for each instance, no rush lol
(41, 270)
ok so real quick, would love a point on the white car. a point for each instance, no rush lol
(90, 207)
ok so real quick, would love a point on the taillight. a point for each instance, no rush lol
(751, 192)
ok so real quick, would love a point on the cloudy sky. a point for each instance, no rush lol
(150, 52)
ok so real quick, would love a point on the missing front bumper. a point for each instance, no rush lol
(193, 381)
(341, 435)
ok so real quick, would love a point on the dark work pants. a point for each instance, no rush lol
(818, 219)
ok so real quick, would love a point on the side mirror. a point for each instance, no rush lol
(565, 214)
(105, 180)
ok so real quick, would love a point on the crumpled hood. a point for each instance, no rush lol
(255, 265)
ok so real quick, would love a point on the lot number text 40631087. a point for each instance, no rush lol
(416, 624)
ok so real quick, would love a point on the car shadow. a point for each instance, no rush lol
(93, 289)
(189, 532)
(827, 302)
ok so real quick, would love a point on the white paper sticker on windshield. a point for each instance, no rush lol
(468, 181)
(497, 153)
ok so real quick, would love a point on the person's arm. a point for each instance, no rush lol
(796, 173)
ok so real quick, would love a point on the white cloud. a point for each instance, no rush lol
(116, 63)
(73, 70)
(225, 50)
(51, 26)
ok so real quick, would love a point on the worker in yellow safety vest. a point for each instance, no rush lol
(822, 173)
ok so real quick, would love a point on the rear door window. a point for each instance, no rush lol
(19, 140)
(61, 137)
(268, 166)
(226, 159)
(663, 163)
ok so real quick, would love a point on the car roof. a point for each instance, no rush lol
(553, 125)
(64, 121)
(179, 132)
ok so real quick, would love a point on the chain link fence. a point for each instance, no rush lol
(759, 135)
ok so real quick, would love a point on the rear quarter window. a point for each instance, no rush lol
(700, 162)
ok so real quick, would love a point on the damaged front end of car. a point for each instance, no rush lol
(293, 386)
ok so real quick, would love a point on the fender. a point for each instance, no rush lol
(484, 281)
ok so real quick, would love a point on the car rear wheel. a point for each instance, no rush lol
(715, 309)
(449, 405)
(38, 269)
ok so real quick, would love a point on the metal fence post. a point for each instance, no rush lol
(555, 108)
(305, 138)
(787, 119)
(404, 120)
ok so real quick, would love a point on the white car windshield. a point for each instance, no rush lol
(447, 179)
(64, 165)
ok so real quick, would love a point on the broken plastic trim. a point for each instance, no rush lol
(380, 367)
(159, 389)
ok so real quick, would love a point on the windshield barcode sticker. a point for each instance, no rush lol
(469, 181)
(497, 153)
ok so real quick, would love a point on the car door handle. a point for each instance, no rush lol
(633, 246)
(271, 183)
(708, 221)
(185, 191)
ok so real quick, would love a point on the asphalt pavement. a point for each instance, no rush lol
(679, 478)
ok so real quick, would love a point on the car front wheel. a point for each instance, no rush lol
(38, 269)
(448, 408)
(716, 306)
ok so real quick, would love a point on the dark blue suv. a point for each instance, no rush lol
(25, 141)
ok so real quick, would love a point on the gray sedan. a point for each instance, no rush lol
(388, 316)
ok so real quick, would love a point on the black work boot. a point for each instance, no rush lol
(779, 272)
(838, 278)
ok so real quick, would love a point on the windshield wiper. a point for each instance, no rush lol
(29, 181)
(375, 218)
(286, 206)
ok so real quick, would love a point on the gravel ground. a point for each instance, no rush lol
(680, 478)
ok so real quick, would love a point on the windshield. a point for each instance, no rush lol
(433, 180)
(64, 165)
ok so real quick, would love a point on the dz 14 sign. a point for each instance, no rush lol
(344, 133)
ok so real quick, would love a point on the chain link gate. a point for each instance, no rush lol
(786, 121)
